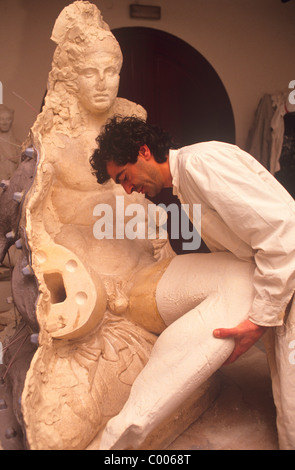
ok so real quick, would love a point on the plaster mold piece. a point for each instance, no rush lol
(73, 291)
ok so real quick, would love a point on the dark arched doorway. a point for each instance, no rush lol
(177, 86)
(180, 90)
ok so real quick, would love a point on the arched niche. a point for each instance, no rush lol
(179, 88)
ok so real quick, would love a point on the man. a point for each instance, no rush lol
(244, 211)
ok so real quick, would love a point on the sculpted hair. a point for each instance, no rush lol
(120, 142)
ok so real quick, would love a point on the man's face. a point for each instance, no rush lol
(143, 176)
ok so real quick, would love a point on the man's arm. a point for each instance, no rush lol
(243, 198)
(245, 335)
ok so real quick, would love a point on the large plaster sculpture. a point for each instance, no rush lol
(100, 305)
(67, 285)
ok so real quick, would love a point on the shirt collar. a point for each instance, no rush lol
(174, 170)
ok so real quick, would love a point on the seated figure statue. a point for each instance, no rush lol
(9, 145)
(117, 324)
(89, 352)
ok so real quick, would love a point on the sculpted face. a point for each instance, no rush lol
(98, 81)
(5, 121)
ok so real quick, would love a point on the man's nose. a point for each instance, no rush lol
(129, 188)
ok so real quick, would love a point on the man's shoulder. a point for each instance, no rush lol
(201, 150)
(193, 151)
(209, 146)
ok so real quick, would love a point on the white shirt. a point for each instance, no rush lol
(245, 211)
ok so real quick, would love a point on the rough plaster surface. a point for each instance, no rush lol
(89, 352)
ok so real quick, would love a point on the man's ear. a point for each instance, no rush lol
(145, 152)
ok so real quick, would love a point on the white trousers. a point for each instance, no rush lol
(280, 346)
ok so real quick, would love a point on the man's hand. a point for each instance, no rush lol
(245, 335)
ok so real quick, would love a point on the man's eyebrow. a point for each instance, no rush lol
(118, 176)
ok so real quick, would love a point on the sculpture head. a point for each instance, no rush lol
(6, 118)
(99, 75)
(86, 66)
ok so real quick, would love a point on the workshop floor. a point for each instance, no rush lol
(243, 415)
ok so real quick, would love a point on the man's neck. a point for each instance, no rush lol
(167, 177)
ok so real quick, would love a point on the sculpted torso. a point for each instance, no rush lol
(73, 194)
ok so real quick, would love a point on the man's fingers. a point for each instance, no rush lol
(224, 332)
(230, 360)
(245, 335)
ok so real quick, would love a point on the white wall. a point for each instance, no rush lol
(250, 43)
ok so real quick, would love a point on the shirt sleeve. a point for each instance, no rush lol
(259, 211)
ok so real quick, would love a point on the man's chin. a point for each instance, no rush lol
(151, 193)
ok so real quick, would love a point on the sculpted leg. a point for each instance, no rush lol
(186, 353)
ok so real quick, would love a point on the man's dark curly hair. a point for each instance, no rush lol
(120, 142)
